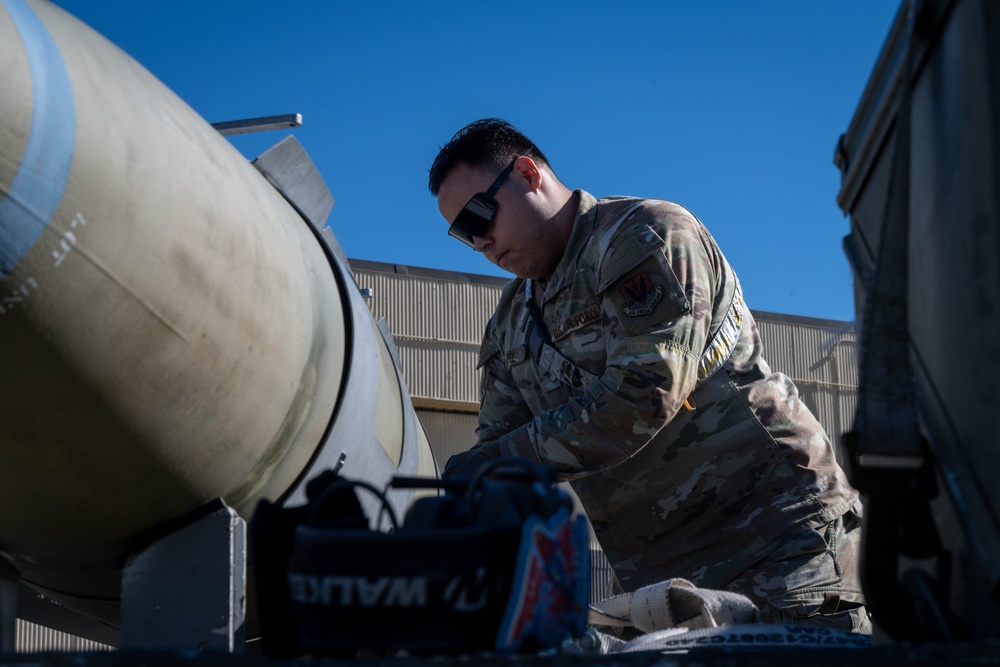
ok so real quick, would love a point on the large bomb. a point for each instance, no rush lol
(171, 329)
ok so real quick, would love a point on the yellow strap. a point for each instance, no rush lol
(724, 340)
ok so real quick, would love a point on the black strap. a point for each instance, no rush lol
(537, 335)
(886, 419)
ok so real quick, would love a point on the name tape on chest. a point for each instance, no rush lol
(576, 321)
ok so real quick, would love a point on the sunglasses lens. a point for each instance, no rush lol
(473, 220)
(457, 233)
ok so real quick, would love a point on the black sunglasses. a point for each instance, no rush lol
(477, 216)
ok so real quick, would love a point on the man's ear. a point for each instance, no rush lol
(528, 171)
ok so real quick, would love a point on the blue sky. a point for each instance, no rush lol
(729, 107)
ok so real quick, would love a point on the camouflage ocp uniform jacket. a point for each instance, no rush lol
(639, 377)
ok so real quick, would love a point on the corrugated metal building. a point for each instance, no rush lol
(32, 638)
(437, 320)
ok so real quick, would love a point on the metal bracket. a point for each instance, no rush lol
(290, 170)
(262, 124)
(188, 588)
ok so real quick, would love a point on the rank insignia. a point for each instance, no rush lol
(640, 295)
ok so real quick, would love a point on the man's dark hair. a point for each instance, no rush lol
(489, 144)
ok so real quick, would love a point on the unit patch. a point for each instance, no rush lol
(640, 294)
(647, 298)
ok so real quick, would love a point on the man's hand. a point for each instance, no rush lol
(466, 464)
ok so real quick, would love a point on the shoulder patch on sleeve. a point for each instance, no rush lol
(488, 359)
(489, 347)
(491, 343)
(648, 297)
(627, 254)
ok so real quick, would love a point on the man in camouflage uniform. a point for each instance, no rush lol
(624, 357)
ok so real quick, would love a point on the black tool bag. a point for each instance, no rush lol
(495, 563)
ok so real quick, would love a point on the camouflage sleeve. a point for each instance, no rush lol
(657, 286)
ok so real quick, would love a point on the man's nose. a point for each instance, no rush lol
(481, 243)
